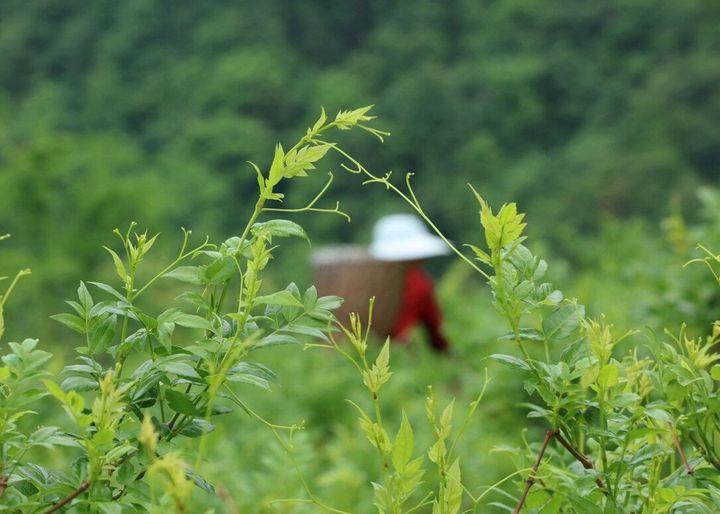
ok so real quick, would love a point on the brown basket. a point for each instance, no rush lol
(349, 272)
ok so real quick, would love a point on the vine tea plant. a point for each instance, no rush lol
(619, 423)
(689, 374)
(403, 489)
(615, 414)
(20, 369)
(4, 296)
(146, 377)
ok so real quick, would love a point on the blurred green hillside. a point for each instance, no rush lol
(148, 110)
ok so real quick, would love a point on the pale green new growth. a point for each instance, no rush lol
(628, 412)
(402, 474)
(186, 358)
(6, 294)
(631, 424)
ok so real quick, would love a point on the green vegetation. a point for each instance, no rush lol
(616, 412)
(630, 424)
(147, 111)
(167, 384)
(171, 390)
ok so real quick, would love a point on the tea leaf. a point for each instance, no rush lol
(181, 403)
(403, 445)
(563, 321)
(103, 335)
(280, 228)
(119, 266)
(187, 274)
(284, 298)
(70, 320)
(511, 361)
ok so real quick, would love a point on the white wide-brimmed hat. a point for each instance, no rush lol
(404, 237)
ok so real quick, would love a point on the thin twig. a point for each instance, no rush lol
(70, 497)
(703, 451)
(409, 197)
(676, 440)
(531, 478)
(582, 459)
(3, 484)
(311, 206)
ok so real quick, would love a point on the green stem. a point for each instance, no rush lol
(12, 285)
(123, 331)
(169, 267)
(468, 416)
(621, 463)
(411, 201)
(256, 212)
(603, 425)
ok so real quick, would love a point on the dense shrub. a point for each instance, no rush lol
(631, 418)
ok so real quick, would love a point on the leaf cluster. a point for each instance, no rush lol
(147, 376)
(623, 416)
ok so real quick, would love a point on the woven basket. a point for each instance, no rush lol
(349, 272)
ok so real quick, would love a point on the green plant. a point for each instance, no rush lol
(400, 490)
(21, 368)
(631, 422)
(6, 294)
(618, 418)
(688, 374)
(145, 378)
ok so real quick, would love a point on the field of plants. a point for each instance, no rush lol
(172, 404)
(166, 170)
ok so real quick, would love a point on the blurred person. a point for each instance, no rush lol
(403, 238)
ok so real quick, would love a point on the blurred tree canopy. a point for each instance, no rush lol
(148, 110)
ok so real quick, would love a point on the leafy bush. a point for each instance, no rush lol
(403, 474)
(623, 415)
(145, 377)
(632, 419)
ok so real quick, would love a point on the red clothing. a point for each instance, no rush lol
(419, 306)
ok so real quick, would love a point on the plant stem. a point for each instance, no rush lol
(582, 459)
(676, 440)
(470, 412)
(378, 420)
(256, 212)
(621, 464)
(123, 330)
(70, 497)
(411, 201)
(531, 478)
(168, 268)
(6, 295)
